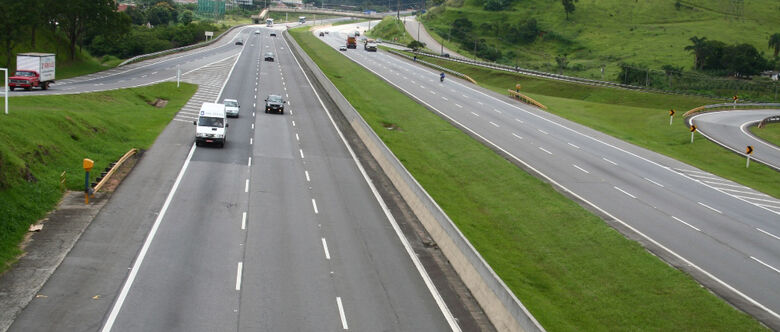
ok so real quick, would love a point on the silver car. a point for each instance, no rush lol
(231, 107)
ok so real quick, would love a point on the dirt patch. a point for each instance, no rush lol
(391, 126)
(120, 174)
(159, 103)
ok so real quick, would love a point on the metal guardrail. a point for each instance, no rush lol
(464, 76)
(178, 49)
(559, 77)
(112, 170)
(733, 106)
(525, 99)
(771, 119)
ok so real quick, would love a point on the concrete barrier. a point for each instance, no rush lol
(178, 49)
(502, 307)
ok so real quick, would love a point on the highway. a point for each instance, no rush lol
(279, 231)
(725, 235)
(731, 129)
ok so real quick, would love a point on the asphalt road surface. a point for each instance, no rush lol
(725, 235)
(280, 230)
(731, 129)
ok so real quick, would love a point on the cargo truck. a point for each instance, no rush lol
(351, 42)
(33, 70)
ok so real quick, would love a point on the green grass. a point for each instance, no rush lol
(607, 32)
(636, 117)
(45, 135)
(391, 29)
(572, 271)
(769, 133)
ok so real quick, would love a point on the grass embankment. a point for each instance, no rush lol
(569, 268)
(45, 135)
(391, 29)
(607, 32)
(636, 117)
(769, 133)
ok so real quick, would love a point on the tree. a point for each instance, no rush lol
(672, 71)
(186, 17)
(415, 45)
(774, 42)
(77, 16)
(568, 7)
(697, 49)
(562, 62)
(13, 18)
(743, 60)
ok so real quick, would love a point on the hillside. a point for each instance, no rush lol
(47, 42)
(646, 33)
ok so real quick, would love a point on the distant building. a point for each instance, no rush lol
(123, 7)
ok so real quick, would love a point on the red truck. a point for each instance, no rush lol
(351, 42)
(33, 70)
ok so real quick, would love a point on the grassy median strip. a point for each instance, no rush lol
(569, 268)
(769, 133)
(42, 136)
(639, 118)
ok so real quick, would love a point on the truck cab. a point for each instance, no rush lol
(24, 79)
(211, 125)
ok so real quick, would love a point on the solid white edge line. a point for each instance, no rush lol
(648, 238)
(243, 220)
(314, 205)
(239, 269)
(341, 313)
(145, 248)
(412, 255)
(325, 247)
(686, 224)
(765, 264)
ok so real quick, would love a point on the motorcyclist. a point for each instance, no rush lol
(441, 77)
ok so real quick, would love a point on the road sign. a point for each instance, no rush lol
(749, 150)
(671, 112)
(693, 128)
(735, 98)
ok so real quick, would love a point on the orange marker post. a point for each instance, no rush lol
(693, 130)
(748, 152)
(87, 164)
(671, 116)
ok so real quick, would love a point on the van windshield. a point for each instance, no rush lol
(231, 103)
(210, 122)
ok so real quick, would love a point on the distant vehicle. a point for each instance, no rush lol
(369, 45)
(357, 33)
(231, 107)
(257, 32)
(446, 55)
(351, 43)
(240, 42)
(211, 125)
(343, 48)
(269, 22)
(301, 19)
(274, 103)
(327, 32)
(33, 70)
(269, 56)
(322, 34)
(273, 34)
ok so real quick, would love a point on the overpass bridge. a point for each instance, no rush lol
(257, 19)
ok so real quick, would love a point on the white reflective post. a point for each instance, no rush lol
(5, 94)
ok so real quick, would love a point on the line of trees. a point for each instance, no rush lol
(739, 60)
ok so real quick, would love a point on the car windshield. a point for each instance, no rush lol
(207, 121)
(275, 99)
(269, 54)
(231, 103)
(25, 73)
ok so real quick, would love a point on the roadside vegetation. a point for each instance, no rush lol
(639, 118)
(391, 29)
(570, 269)
(715, 47)
(769, 133)
(43, 136)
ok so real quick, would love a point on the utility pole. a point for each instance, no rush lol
(398, 10)
(475, 49)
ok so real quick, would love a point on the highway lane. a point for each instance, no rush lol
(729, 240)
(731, 129)
(277, 231)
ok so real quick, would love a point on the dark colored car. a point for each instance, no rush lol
(274, 103)
(322, 34)
(273, 34)
(240, 42)
(269, 56)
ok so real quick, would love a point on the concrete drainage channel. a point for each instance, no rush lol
(499, 304)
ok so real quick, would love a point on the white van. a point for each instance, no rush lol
(211, 126)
